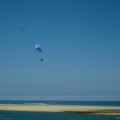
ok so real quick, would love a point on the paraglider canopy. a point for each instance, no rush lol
(38, 47)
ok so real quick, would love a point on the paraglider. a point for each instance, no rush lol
(41, 59)
(39, 49)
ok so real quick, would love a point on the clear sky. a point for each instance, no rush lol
(81, 49)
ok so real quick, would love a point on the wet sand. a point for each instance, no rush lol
(100, 110)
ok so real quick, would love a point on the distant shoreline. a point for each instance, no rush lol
(76, 109)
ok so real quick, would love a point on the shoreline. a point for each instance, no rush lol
(74, 109)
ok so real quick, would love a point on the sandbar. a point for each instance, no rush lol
(78, 109)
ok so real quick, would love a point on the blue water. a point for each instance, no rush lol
(16, 115)
(106, 103)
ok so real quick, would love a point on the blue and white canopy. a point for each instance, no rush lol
(38, 47)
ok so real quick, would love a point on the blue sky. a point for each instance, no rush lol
(81, 49)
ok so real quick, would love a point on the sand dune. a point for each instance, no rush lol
(101, 110)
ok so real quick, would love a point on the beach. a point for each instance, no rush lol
(76, 109)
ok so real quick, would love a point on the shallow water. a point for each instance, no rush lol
(13, 115)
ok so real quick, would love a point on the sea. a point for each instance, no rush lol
(21, 115)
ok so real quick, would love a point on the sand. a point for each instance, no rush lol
(100, 110)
